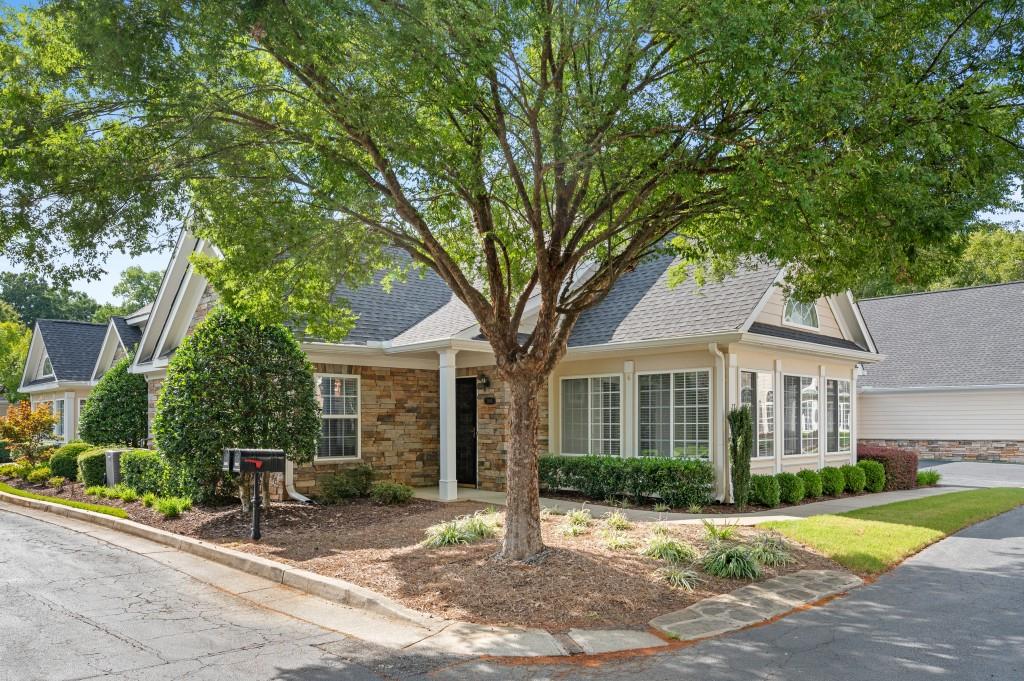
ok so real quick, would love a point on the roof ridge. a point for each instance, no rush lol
(70, 321)
(944, 290)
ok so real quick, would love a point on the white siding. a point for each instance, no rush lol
(961, 415)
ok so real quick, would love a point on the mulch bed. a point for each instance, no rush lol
(579, 583)
(727, 509)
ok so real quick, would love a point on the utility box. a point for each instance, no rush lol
(113, 467)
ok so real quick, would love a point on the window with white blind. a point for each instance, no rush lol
(674, 413)
(57, 409)
(758, 395)
(800, 415)
(838, 410)
(592, 415)
(339, 419)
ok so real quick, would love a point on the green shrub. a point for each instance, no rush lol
(172, 507)
(740, 448)
(732, 562)
(92, 466)
(57, 482)
(9, 470)
(833, 482)
(874, 474)
(233, 382)
(347, 484)
(678, 482)
(791, 488)
(64, 461)
(770, 551)
(143, 470)
(39, 474)
(21, 469)
(855, 479)
(116, 411)
(96, 491)
(928, 478)
(123, 492)
(664, 547)
(390, 493)
(148, 499)
(764, 490)
(812, 483)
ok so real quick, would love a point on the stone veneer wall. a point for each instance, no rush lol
(1009, 451)
(153, 386)
(206, 303)
(399, 427)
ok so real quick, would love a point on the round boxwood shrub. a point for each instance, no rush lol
(764, 490)
(833, 482)
(92, 466)
(791, 488)
(64, 461)
(812, 483)
(143, 470)
(874, 474)
(855, 479)
(115, 412)
(233, 382)
(389, 493)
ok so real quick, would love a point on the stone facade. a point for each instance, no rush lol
(153, 385)
(1008, 451)
(206, 303)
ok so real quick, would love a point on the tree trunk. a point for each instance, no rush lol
(522, 520)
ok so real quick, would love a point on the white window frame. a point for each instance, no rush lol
(839, 438)
(358, 417)
(42, 367)
(782, 411)
(786, 321)
(590, 438)
(672, 408)
(775, 412)
(63, 422)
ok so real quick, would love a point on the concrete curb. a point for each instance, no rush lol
(328, 588)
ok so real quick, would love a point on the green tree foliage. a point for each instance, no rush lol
(741, 446)
(136, 288)
(234, 383)
(116, 411)
(33, 298)
(509, 147)
(15, 339)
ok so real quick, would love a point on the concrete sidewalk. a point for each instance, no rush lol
(752, 518)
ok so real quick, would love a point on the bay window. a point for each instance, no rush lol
(339, 418)
(838, 414)
(592, 415)
(758, 395)
(800, 415)
(674, 411)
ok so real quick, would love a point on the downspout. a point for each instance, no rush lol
(289, 484)
(722, 469)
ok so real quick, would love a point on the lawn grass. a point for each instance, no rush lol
(872, 540)
(109, 510)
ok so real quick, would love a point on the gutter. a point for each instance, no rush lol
(289, 484)
(939, 388)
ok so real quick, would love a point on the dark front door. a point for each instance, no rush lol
(465, 431)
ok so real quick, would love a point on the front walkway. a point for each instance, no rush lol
(753, 518)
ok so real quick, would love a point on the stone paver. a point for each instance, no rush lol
(754, 603)
(595, 641)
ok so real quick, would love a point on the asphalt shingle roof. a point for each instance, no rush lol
(72, 347)
(130, 335)
(805, 336)
(642, 306)
(969, 336)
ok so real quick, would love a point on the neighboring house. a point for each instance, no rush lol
(651, 370)
(952, 384)
(66, 359)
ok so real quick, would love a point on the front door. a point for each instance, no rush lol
(465, 431)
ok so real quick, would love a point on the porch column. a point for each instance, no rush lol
(448, 484)
(822, 416)
(780, 416)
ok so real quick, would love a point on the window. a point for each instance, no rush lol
(57, 409)
(46, 368)
(756, 394)
(674, 412)
(800, 415)
(592, 415)
(800, 314)
(339, 433)
(837, 413)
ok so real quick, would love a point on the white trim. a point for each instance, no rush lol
(561, 409)
(824, 422)
(106, 356)
(358, 418)
(855, 306)
(448, 481)
(674, 342)
(805, 347)
(868, 390)
(754, 421)
(782, 389)
(795, 325)
(763, 301)
(712, 394)
(159, 312)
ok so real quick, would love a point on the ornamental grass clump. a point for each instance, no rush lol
(613, 541)
(733, 561)
(463, 530)
(617, 520)
(770, 550)
(716, 533)
(172, 507)
(681, 578)
(664, 547)
(928, 478)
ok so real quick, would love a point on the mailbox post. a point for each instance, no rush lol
(257, 462)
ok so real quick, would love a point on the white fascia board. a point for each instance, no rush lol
(35, 346)
(860, 321)
(106, 351)
(700, 342)
(55, 385)
(938, 388)
(810, 348)
(765, 297)
(159, 311)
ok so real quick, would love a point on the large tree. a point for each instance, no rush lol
(528, 152)
(35, 298)
(135, 288)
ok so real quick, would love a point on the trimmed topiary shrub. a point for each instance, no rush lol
(855, 479)
(92, 466)
(64, 461)
(390, 493)
(791, 488)
(764, 490)
(812, 483)
(143, 470)
(874, 474)
(833, 482)
(115, 412)
(900, 465)
(233, 382)
(741, 445)
(678, 482)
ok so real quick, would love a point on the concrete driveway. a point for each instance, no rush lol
(977, 473)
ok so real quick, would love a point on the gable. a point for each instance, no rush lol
(828, 324)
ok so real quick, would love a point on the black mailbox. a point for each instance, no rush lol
(253, 460)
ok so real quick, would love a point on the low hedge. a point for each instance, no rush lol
(833, 482)
(764, 490)
(677, 482)
(64, 461)
(92, 466)
(900, 465)
(812, 483)
(855, 478)
(143, 470)
(791, 488)
(874, 474)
